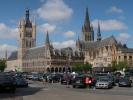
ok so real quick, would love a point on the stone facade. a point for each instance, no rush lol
(43, 59)
(126, 55)
(99, 53)
(102, 52)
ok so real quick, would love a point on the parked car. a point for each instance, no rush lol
(125, 82)
(35, 76)
(21, 82)
(109, 76)
(29, 76)
(56, 78)
(7, 82)
(104, 83)
(82, 81)
(65, 78)
(40, 77)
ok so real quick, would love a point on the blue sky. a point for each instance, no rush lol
(64, 19)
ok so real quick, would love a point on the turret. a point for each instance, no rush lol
(98, 33)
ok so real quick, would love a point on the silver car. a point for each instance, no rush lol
(104, 83)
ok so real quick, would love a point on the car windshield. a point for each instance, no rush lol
(5, 77)
(35, 75)
(123, 80)
(104, 79)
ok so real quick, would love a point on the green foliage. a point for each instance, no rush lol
(114, 65)
(82, 67)
(2, 65)
(119, 66)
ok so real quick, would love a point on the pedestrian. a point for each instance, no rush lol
(94, 83)
(44, 81)
(67, 78)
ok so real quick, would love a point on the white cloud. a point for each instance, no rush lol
(64, 44)
(124, 37)
(109, 25)
(69, 34)
(54, 10)
(7, 32)
(7, 47)
(47, 27)
(115, 9)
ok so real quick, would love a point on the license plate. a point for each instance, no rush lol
(77, 81)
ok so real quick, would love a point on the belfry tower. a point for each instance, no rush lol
(87, 29)
(27, 34)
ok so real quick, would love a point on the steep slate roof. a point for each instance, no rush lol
(40, 52)
(126, 50)
(34, 52)
(93, 45)
(13, 56)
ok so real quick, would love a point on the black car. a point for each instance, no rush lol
(80, 81)
(21, 82)
(125, 82)
(7, 82)
(66, 78)
(56, 78)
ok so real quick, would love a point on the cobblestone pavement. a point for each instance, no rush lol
(40, 91)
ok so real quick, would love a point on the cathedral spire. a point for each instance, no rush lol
(47, 39)
(87, 20)
(27, 15)
(27, 19)
(88, 33)
(98, 33)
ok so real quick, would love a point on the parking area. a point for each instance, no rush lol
(56, 91)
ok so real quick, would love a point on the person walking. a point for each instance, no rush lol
(44, 82)
(67, 78)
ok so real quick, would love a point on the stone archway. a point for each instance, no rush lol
(69, 69)
(60, 69)
(48, 70)
(52, 70)
(56, 69)
(64, 69)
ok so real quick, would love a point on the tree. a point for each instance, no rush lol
(119, 66)
(2, 65)
(114, 65)
(122, 65)
(87, 67)
(82, 67)
(77, 67)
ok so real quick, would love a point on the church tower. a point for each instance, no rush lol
(87, 29)
(27, 34)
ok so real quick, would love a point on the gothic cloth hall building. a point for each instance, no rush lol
(30, 58)
(98, 52)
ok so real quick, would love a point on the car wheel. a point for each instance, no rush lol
(130, 85)
(74, 86)
(13, 90)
